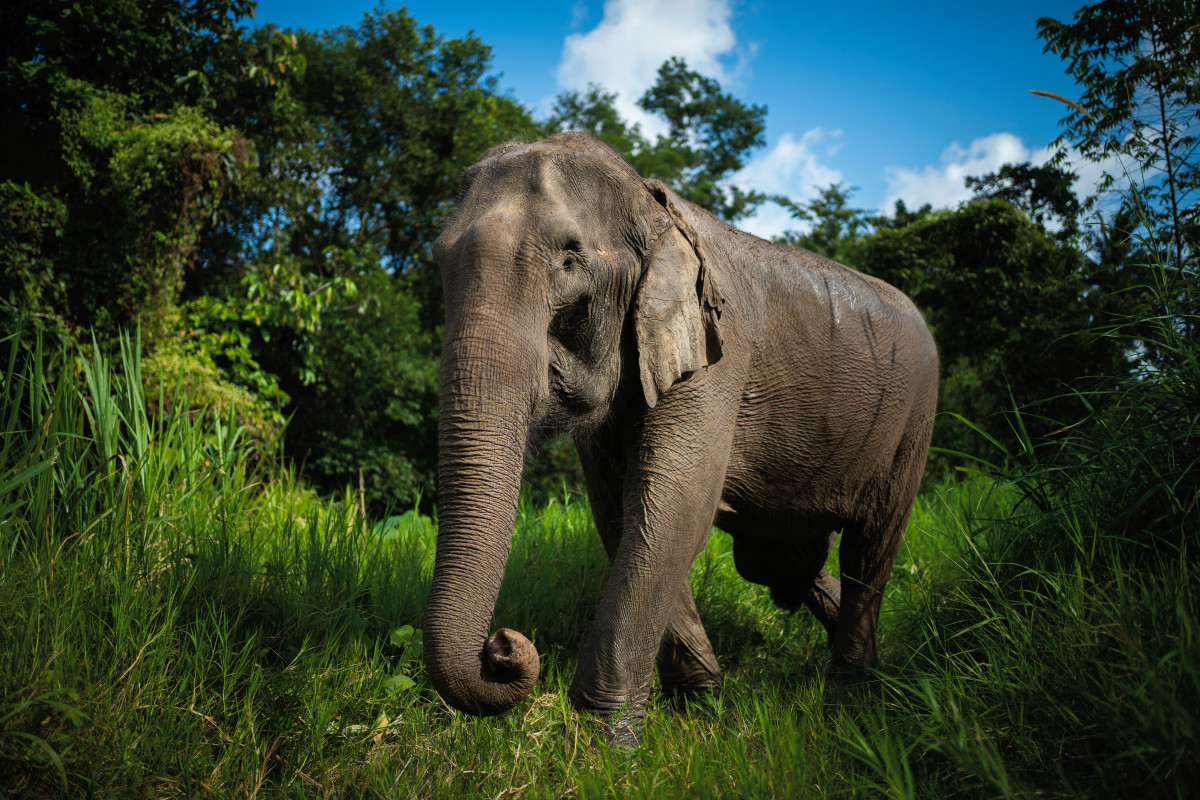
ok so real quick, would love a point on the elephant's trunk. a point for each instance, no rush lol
(485, 402)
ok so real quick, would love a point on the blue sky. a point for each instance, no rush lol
(900, 100)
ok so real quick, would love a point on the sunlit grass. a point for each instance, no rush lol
(183, 618)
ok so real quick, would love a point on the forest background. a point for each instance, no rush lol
(216, 292)
(261, 203)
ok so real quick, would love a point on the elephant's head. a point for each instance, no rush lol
(572, 288)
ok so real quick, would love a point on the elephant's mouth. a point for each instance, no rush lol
(571, 326)
(581, 398)
(566, 389)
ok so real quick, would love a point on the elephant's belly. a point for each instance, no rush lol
(744, 521)
(810, 475)
(784, 502)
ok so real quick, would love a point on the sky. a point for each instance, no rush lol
(901, 100)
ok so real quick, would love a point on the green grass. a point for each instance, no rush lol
(183, 618)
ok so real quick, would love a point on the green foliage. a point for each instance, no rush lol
(1136, 463)
(150, 203)
(184, 374)
(106, 244)
(710, 134)
(183, 574)
(362, 149)
(279, 304)
(135, 47)
(370, 413)
(1074, 618)
(124, 173)
(1138, 65)
(1020, 340)
(29, 281)
(1043, 192)
(334, 298)
(837, 232)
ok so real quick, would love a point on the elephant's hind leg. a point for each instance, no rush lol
(824, 600)
(866, 557)
(869, 551)
(687, 667)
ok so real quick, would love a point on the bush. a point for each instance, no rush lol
(104, 243)
(184, 376)
(368, 412)
(1011, 313)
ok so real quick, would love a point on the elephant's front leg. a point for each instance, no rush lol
(687, 666)
(672, 486)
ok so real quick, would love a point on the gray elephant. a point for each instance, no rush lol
(707, 377)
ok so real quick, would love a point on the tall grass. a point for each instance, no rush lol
(184, 618)
(1065, 657)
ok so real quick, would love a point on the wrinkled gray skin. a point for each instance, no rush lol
(707, 377)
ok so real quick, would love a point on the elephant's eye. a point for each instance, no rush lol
(570, 257)
(569, 277)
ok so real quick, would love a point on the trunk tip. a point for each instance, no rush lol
(509, 654)
(506, 669)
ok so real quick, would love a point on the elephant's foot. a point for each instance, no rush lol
(616, 722)
(683, 671)
(618, 730)
(853, 688)
(687, 666)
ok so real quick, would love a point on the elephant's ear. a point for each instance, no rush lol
(677, 310)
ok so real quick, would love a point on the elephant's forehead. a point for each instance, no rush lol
(533, 193)
(531, 177)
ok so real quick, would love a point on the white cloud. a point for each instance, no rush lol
(579, 14)
(793, 167)
(624, 51)
(1090, 174)
(945, 185)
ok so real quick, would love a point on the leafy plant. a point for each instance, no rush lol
(1136, 64)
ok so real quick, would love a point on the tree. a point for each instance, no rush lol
(1138, 62)
(107, 176)
(139, 48)
(1013, 316)
(262, 202)
(595, 111)
(838, 231)
(361, 140)
(709, 136)
(366, 143)
(1043, 192)
(371, 408)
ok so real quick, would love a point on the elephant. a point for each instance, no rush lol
(707, 377)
